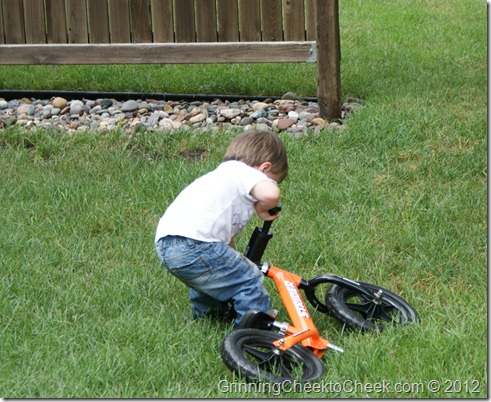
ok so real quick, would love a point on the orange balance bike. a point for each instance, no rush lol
(265, 349)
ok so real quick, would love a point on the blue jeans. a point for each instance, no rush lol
(217, 275)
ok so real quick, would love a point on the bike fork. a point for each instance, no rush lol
(287, 285)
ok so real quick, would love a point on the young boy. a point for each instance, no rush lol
(195, 236)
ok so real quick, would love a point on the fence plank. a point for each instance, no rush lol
(76, 22)
(161, 53)
(34, 20)
(206, 21)
(294, 17)
(184, 20)
(2, 36)
(271, 20)
(98, 21)
(249, 20)
(56, 21)
(228, 20)
(328, 59)
(119, 21)
(14, 22)
(311, 19)
(141, 21)
(163, 24)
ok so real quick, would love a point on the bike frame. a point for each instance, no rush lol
(297, 342)
(288, 284)
(303, 329)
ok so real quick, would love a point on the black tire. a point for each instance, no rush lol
(315, 293)
(251, 353)
(358, 311)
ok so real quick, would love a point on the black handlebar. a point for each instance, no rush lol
(267, 224)
(275, 210)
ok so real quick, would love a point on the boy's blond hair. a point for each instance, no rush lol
(256, 147)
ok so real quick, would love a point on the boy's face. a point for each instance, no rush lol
(276, 177)
(265, 168)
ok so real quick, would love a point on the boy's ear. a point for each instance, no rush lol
(265, 167)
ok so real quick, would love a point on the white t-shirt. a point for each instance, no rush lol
(215, 207)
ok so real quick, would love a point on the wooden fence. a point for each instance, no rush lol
(176, 31)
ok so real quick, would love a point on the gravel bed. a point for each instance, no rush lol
(286, 114)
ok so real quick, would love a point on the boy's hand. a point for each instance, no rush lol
(266, 216)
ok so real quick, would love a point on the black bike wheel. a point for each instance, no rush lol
(373, 313)
(251, 353)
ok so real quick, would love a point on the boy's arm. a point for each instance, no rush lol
(267, 194)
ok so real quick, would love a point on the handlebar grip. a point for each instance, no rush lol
(275, 210)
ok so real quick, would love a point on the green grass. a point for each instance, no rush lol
(396, 198)
(220, 79)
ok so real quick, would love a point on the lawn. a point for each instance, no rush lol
(396, 197)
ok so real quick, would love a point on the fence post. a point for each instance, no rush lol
(328, 59)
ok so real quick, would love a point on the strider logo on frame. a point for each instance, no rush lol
(297, 300)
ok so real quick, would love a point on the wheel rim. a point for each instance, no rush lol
(265, 356)
(377, 308)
